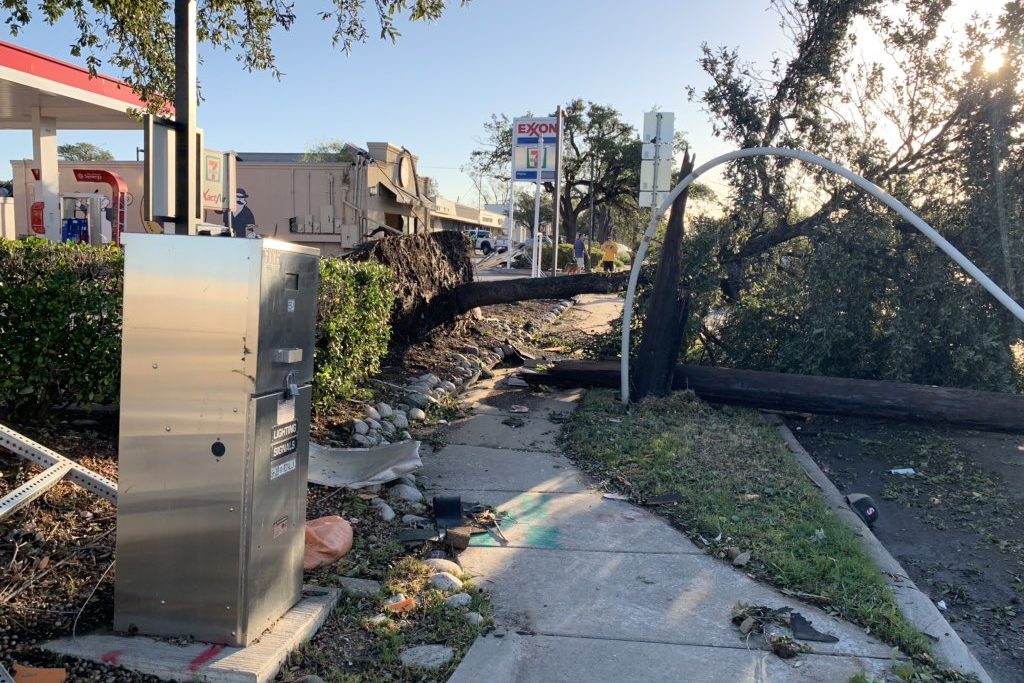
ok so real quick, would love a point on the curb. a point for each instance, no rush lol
(917, 607)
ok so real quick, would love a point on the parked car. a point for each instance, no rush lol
(481, 239)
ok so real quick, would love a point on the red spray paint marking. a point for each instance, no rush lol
(113, 657)
(204, 657)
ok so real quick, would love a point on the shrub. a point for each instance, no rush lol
(565, 257)
(352, 327)
(60, 325)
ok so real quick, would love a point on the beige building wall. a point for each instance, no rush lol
(332, 206)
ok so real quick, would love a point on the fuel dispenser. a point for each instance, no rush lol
(216, 367)
(82, 218)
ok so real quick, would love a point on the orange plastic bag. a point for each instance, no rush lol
(328, 539)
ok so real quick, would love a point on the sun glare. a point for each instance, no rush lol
(993, 60)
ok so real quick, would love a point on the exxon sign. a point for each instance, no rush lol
(534, 140)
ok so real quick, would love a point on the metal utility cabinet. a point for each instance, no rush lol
(216, 367)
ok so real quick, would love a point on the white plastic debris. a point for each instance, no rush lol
(906, 471)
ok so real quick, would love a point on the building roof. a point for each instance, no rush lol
(68, 93)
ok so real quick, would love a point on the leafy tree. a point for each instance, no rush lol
(328, 151)
(83, 151)
(814, 277)
(140, 33)
(594, 136)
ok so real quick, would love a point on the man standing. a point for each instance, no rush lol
(609, 250)
(579, 249)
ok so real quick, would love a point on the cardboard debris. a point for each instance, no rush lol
(28, 674)
(355, 468)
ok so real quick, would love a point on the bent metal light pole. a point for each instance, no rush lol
(868, 186)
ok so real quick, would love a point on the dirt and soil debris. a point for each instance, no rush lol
(955, 524)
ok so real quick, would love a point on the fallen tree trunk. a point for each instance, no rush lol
(813, 394)
(473, 294)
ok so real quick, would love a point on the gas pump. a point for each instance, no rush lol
(82, 218)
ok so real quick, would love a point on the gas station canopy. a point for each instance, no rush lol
(36, 85)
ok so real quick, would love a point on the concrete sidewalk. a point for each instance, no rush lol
(592, 589)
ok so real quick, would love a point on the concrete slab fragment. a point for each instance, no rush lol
(684, 599)
(498, 431)
(496, 469)
(574, 521)
(539, 659)
(257, 663)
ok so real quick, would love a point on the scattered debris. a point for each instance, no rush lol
(741, 560)
(732, 552)
(905, 471)
(28, 674)
(864, 507)
(802, 630)
(328, 539)
(514, 381)
(749, 497)
(448, 511)
(400, 603)
(364, 587)
(515, 408)
(417, 536)
(941, 604)
(356, 468)
(615, 496)
(615, 420)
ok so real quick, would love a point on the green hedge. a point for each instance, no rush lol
(352, 327)
(60, 326)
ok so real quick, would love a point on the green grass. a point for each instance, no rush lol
(740, 487)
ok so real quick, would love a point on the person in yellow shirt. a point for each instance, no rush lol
(609, 250)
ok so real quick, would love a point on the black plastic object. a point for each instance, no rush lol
(448, 511)
(864, 507)
(802, 630)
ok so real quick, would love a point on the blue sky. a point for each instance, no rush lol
(434, 89)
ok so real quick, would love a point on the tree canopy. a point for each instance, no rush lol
(137, 36)
(809, 275)
(83, 151)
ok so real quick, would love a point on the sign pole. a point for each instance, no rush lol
(185, 96)
(556, 198)
(535, 270)
(511, 227)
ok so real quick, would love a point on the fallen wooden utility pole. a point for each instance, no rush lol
(813, 394)
(472, 294)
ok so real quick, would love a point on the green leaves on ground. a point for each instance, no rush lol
(740, 486)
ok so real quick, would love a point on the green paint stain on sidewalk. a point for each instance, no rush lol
(532, 513)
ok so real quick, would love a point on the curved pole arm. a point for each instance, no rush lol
(872, 189)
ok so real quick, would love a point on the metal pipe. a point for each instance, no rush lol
(511, 225)
(866, 185)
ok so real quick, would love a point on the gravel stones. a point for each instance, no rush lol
(428, 656)
(415, 520)
(373, 424)
(371, 413)
(474, 618)
(360, 427)
(384, 410)
(445, 582)
(359, 586)
(362, 440)
(419, 400)
(459, 600)
(384, 510)
(400, 421)
(406, 492)
(437, 566)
